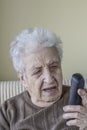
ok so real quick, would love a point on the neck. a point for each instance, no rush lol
(41, 103)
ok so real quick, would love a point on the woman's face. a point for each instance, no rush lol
(43, 76)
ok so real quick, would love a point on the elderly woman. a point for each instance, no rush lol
(36, 55)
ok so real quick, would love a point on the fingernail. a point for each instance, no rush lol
(64, 108)
(64, 116)
(67, 123)
(82, 92)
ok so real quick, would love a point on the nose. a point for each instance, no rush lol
(48, 76)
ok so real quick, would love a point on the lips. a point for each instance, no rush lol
(50, 88)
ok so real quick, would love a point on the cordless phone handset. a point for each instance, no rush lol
(77, 81)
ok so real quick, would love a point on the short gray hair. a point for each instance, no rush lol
(30, 40)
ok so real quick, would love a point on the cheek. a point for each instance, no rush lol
(35, 85)
(30, 82)
(58, 76)
(38, 84)
(59, 81)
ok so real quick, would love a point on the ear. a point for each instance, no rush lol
(22, 78)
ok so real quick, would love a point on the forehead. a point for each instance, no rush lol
(41, 57)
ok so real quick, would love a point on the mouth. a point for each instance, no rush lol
(50, 89)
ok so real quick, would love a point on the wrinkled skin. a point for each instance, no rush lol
(43, 76)
(77, 112)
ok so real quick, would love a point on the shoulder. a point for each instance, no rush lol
(13, 109)
(14, 101)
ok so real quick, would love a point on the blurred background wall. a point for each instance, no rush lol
(67, 18)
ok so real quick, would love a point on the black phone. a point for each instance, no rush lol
(77, 81)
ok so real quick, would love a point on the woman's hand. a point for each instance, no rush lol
(77, 114)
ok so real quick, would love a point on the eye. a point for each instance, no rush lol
(37, 71)
(54, 67)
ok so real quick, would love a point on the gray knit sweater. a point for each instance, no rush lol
(18, 113)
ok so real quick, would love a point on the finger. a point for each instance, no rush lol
(74, 122)
(74, 108)
(82, 92)
(83, 95)
(76, 115)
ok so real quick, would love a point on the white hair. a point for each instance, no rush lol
(30, 40)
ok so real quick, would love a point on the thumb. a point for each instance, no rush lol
(82, 93)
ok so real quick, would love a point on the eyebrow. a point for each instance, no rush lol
(39, 67)
(36, 67)
(54, 62)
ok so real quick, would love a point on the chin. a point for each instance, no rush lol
(52, 99)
